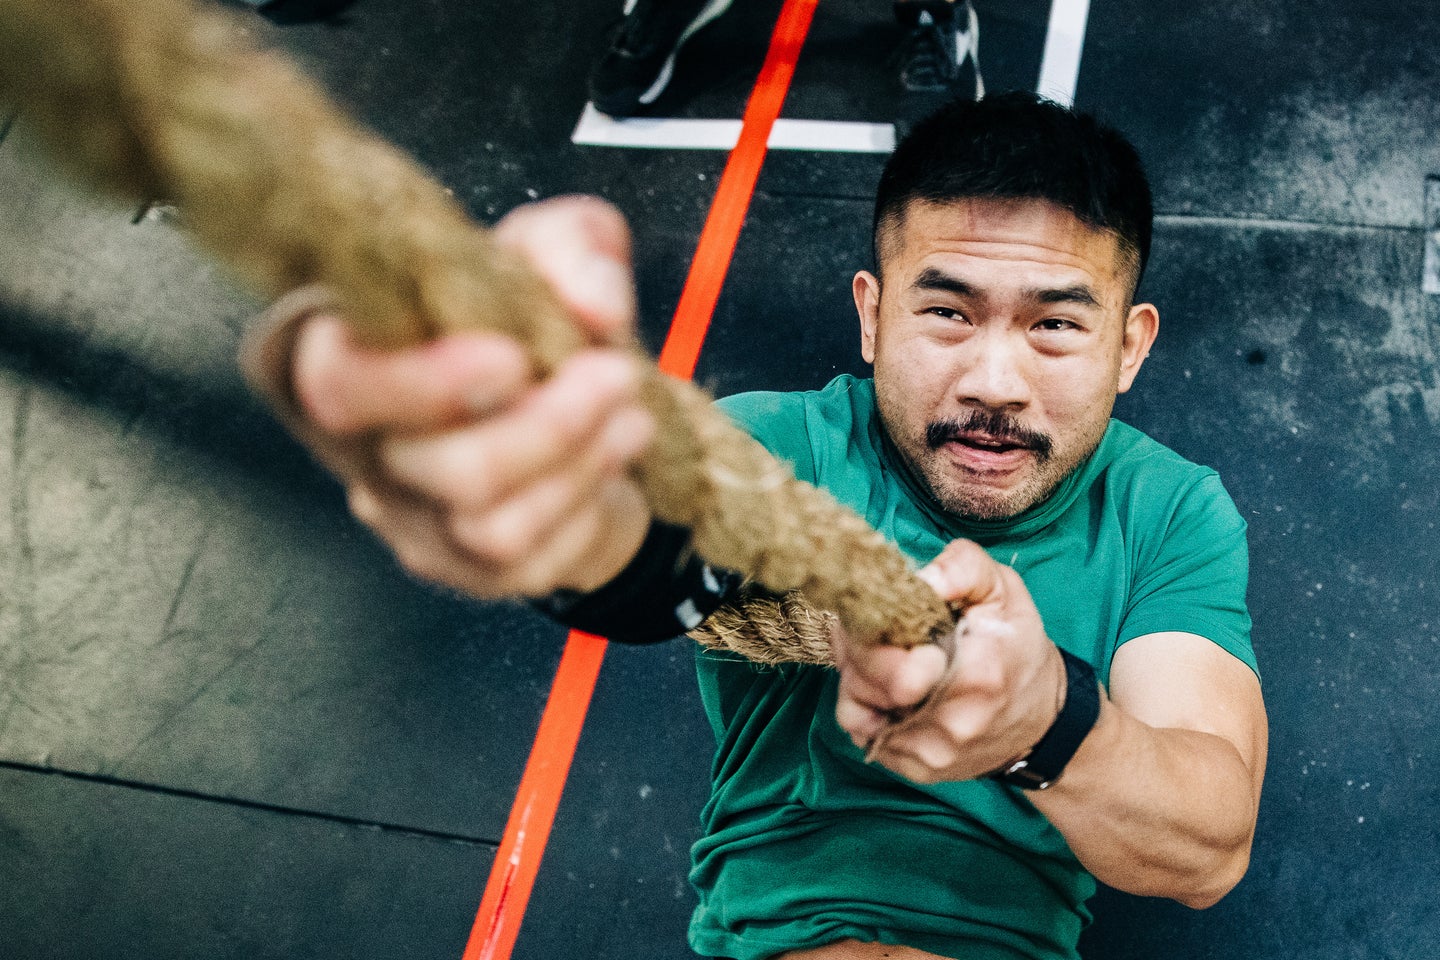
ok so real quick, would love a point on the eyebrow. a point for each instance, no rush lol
(932, 278)
(1078, 293)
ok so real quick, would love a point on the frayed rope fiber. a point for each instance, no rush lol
(167, 98)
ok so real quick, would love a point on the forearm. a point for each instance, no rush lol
(1156, 811)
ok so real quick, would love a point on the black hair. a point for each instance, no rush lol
(1019, 146)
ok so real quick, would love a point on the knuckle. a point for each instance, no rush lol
(529, 582)
(921, 773)
(966, 551)
(969, 730)
(913, 689)
(457, 473)
(320, 389)
(417, 562)
(364, 505)
(933, 757)
(497, 542)
(564, 412)
(986, 680)
(627, 436)
(967, 724)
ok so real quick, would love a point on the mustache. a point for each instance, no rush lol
(992, 423)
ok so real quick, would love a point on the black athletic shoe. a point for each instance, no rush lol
(939, 59)
(637, 65)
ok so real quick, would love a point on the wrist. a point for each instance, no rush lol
(1075, 717)
(623, 534)
(664, 590)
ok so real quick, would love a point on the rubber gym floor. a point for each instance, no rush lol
(231, 727)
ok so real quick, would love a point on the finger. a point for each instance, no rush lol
(935, 744)
(513, 530)
(863, 723)
(901, 762)
(963, 574)
(420, 537)
(545, 433)
(925, 745)
(416, 533)
(581, 247)
(912, 767)
(347, 388)
(893, 678)
(572, 555)
(979, 660)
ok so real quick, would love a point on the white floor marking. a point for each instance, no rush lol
(1059, 73)
(596, 129)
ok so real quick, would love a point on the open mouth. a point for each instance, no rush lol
(990, 438)
(989, 444)
(983, 454)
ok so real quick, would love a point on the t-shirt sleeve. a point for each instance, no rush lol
(1193, 578)
(777, 421)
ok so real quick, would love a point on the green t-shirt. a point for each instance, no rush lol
(805, 843)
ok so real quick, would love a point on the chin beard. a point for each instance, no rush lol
(991, 505)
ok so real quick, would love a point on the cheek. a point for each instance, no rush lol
(916, 378)
(1075, 393)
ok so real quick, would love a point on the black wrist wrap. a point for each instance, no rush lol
(666, 590)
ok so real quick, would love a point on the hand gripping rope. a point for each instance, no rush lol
(165, 98)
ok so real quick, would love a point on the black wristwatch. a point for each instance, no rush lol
(1042, 766)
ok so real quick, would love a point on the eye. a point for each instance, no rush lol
(948, 313)
(1056, 325)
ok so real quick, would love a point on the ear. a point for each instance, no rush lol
(1141, 327)
(866, 288)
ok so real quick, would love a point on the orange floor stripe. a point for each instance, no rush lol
(517, 862)
(732, 198)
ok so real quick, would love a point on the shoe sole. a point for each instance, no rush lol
(712, 10)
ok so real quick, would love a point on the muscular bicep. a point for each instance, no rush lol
(1180, 680)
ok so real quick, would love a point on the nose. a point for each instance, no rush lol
(995, 374)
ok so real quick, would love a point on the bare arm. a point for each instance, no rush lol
(1162, 796)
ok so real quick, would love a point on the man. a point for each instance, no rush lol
(1102, 717)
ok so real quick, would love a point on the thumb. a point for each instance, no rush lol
(964, 575)
(581, 247)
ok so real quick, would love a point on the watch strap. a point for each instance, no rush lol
(1042, 766)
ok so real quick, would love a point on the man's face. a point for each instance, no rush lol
(1000, 336)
